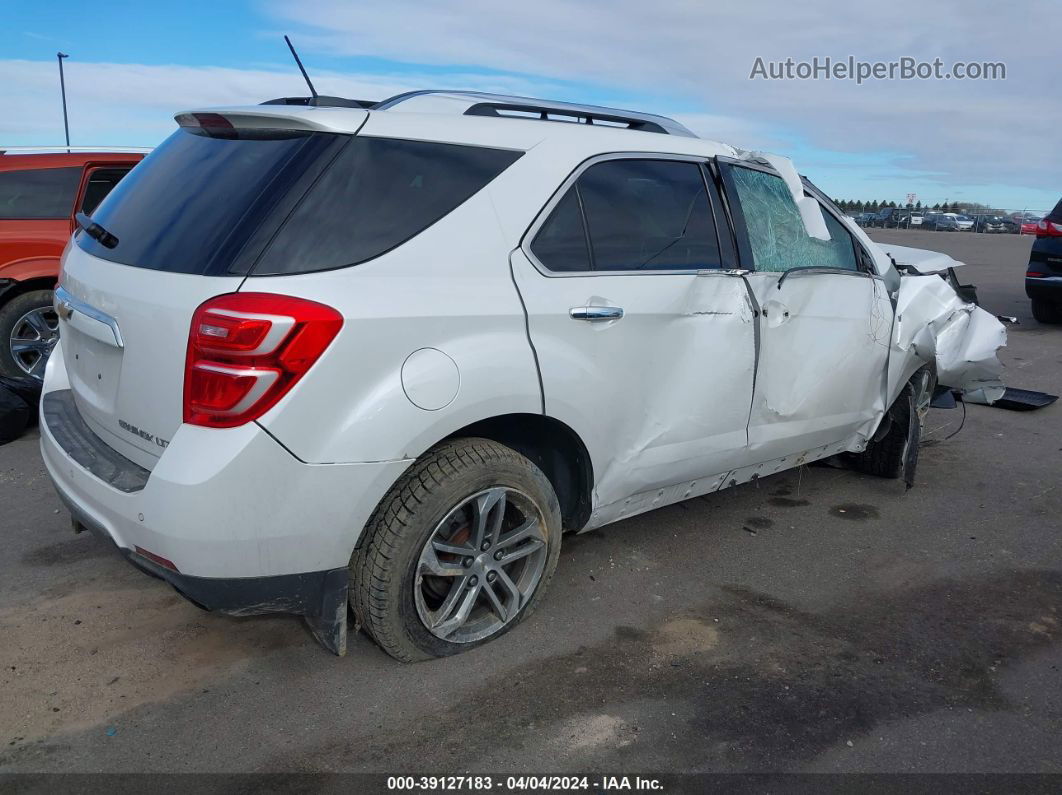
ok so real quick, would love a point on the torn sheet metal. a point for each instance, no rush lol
(933, 324)
(810, 210)
(922, 260)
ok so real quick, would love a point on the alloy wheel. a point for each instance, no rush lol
(481, 565)
(33, 337)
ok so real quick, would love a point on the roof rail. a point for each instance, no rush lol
(321, 101)
(27, 150)
(475, 103)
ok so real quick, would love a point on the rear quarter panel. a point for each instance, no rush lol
(448, 289)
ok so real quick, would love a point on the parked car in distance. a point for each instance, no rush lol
(865, 218)
(1043, 278)
(1030, 225)
(916, 217)
(990, 224)
(962, 222)
(358, 354)
(40, 193)
(899, 219)
(1010, 225)
(940, 222)
(890, 218)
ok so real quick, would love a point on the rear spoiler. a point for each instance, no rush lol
(323, 102)
(274, 116)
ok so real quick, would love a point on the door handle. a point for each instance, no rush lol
(595, 314)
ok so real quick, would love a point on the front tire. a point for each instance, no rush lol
(458, 552)
(896, 453)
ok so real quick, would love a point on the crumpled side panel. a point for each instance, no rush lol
(934, 325)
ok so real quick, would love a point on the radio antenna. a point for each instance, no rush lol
(302, 69)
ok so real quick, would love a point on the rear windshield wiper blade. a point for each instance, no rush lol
(95, 231)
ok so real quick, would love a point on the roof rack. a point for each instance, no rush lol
(28, 150)
(322, 102)
(475, 103)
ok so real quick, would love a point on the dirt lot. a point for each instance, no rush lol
(821, 620)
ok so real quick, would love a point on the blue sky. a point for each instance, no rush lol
(132, 65)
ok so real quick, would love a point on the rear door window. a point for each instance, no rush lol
(101, 181)
(638, 215)
(776, 234)
(560, 244)
(648, 215)
(38, 193)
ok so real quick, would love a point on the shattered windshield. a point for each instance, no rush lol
(776, 232)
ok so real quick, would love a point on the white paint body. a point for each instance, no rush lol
(694, 389)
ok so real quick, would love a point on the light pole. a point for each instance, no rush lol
(62, 87)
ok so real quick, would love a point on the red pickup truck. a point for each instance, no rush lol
(39, 195)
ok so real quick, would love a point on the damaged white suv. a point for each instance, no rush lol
(389, 354)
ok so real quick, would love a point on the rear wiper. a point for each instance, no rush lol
(95, 231)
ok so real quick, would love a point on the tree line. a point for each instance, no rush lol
(860, 206)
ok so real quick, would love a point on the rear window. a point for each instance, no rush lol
(194, 204)
(38, 193)
(283, 202)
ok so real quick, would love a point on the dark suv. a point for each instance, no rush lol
(39, 196)
(892, 218)
(1043, 279)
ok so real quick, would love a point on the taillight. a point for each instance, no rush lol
(1047, 228)
(246, 350)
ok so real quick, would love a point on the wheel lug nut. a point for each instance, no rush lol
(499, 555)
(492, 576)
(486, 546)
(467, 562)
(473, 581)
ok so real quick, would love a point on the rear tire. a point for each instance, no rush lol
(28, 330)
(409, 592)
(1046, 311)
(896, 453)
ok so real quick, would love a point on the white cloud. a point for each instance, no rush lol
(133, 104)
(676, 54)
(970, 131)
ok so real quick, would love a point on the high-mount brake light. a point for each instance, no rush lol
(213, 124)
(246, 350)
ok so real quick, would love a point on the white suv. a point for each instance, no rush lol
(313, 355)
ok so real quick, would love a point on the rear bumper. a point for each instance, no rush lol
(302, 594)
(1047, 288)
(219, 503)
